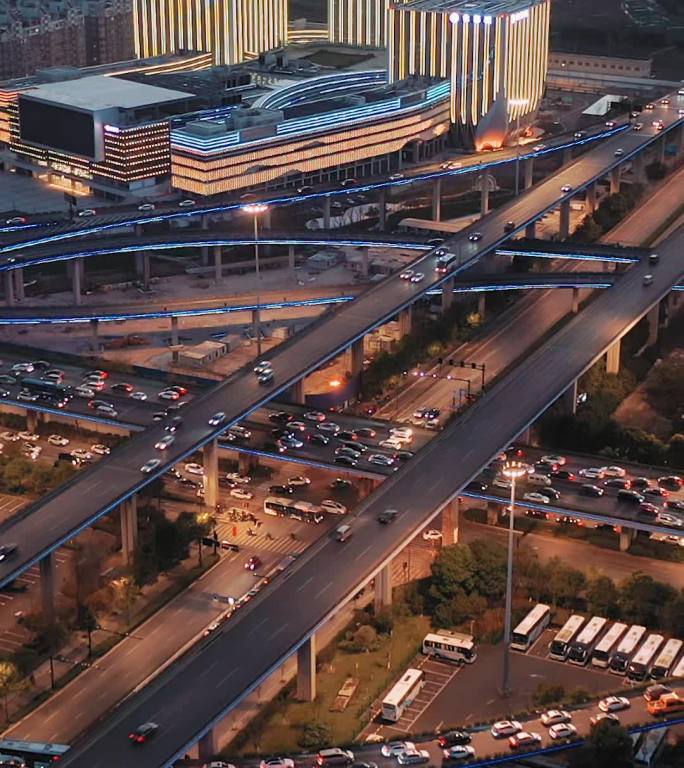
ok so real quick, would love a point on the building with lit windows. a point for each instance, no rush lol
(358, 22)
(321, 129)
(233, 30)
(494, 53)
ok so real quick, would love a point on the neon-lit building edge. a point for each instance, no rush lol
(494, 53)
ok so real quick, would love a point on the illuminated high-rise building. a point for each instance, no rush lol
(358, 22)
(493, 52)
(233, 30)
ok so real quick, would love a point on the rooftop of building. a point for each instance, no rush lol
(470, 7)
(100, 92)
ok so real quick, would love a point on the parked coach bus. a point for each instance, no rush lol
(529, 629)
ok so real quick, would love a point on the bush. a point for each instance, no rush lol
(546, 694)
(316, 735)
(578, 696)
(365, 638)
(383, 621)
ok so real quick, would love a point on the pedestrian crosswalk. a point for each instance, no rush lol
(281, 543)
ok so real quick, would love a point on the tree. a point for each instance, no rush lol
(608, 745)
(452, 571)
(564, 583)
(603, 597)
(9, 675)
(656, 171)
(489, 577)
(642, 599)
(675, 450)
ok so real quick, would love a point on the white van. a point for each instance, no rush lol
(343, 532)
(539, 479)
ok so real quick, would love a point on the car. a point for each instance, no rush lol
(6, 379)
(143, 732)
(318, 439)
(648, 280)
(192, 468)
(396, 176)
(339, 484)
(404, 434)
(215, 763)
(535, 498)
(407, 274)
(475, 237)
(659, 493)
(601, 717)
(146, 207)
(345, 450)
(253, 563)
(280, 417)
(347, 435)
(314, 416)
(637, 126)
(236, 477)
(169, 394)
(367, 432)
(187, 204)
(174, 425)
(509, 226)
(649, 107)
(592, 473)
(150, 466)
(432, 534)
(334, 507)
(665, 518)
(22, 368)
(562, 731)
(54, 376)
(539, 147)
(290, 441)
(328, 427)
(27, 397)
(277, 762)
(97, 373)
(417, 277)
(238, 432)
(413, 757)
(392, 443)
(241, 493)
(299, 481)
(619, 152)
(107, 410)
(551, 493)
(346, 461)
(453, 738)
(15, 220)
(299, 426)
(524, 739)
(122, 387)
(555, 716)
(672, 482)
(654, 692)
(613, 471)
(502, 482)
(554, 458)
(388, 516)
(618, 482)
(84, 391)
(614, 704)
(458, 752)
(100, 449)
(94, 383)
(380, 459)
(81, 454)
(58, 440)
(630, 496)
(503, 728)
(10, 437)
(262, 366)
(166, 442)
(281, 490)
(265, 378)
(641, 482)
(32, 437)
(138, 395)
(675, 504)
(395, 748)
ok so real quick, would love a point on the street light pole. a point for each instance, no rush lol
(513, 471)
(255, 209)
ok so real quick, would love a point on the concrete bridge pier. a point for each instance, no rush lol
(450, 522)
(296, 392)
(218, 264)
(437, 199)
(613, 357)
(575, 301)
(207, 746)
(326, 211)
(357, 357)
(47, 588)
(382, 209)
(383, 588)
(19, 283)
(128, 512)
(627, 536)
(564, 227)
(590, 198)
(210, 477)
(528, 172)
(306, 670)
(531, 230)
(10, 299)
(447, 294)
(568, 399)
(405, 321)
(74, 271)
(615, 176)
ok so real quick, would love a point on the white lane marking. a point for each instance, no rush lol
(308, 581)
(326, 587)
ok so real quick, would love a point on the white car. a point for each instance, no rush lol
(413, 757)
(58, 440)
(299, 481)
(555, 716)
(566, 188)
(100, 449)
(262, 367)
(395, 748)
(81, 454)
(665, 518)
(554, 458)
(138, 395)
(536, 498)
(192, 468)
(381, 459)
(189, 204)
(459, 752)
(10, 437)
(241, 493)
(329, 427)
(150, 466)
(277, 762)
(407, 274)
(169, 394)
(32, 452)
(83, 391)
(562, 731)
(392, 443)
(334, 507)
(502, 482)
(432, 534)
(87, 212)
(402, 433)
(22, 368)
(417, 277)
(32, 437)
(613, 471)
(614, 704)
(217, 418)
(314, 416)
(504, 728)
(146, 207)
(619, 152)
(166, 442)
(107, 410)
(238, 432)
(236, 477)
(591, 473)
(475, 237)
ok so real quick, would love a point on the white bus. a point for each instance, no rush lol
(649, 748)
(678, 670)
(640, 666)
(297, 510)
(560, 645)
(666, 658)
(402, 694)
(529, 629)
(582, 646)
(452, 646)
(620, 657)
(600, 656)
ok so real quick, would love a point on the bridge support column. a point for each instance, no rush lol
(204, 250)
(382, 209)
(306, 670)
(218, 264)
(660, 145)
(567, 156)
(437, 200)
(296, 392)
(32, 420)
(19, 283)
(210, 477)
(613, 357)
(564, 227)
(207, 746)
(615, 181)
(638, 167)
(447, 294)
(291, 258)
(528, 172)
(366, 486)
(357, 357)
(128, 511)
(450, 523)
(9, 288)
(626, 538)
(482, 305)
(575, 301)
(383, 588)
(568, 399)
(174, 331)
(326, 212)
(405, 321)
(653, 318)
(142, 267)
(531, 230)
(492, 513)
(525, 437)
(47, 588)
(590, 199)
(74, 271)
(246, 463)
(484, 198)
